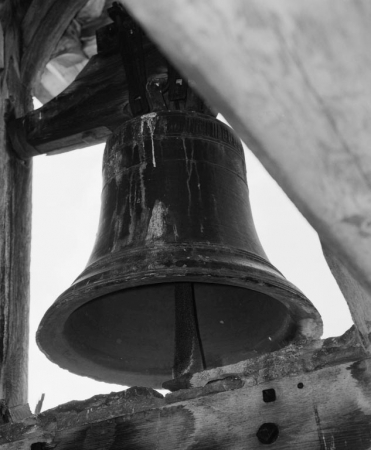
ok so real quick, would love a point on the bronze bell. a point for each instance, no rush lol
(175, 210)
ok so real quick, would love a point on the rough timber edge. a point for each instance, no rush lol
(302, 359)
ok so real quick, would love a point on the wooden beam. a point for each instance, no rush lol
(76, 46)
(86, 112)
(82, 115)
(15, 221)
(15, 177)
(293, 79)
(323, 407)
(356, 296)
(296, 358)
(43, 27)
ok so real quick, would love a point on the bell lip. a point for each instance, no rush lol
(50, 333)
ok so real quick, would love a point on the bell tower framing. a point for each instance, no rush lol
(303, 119)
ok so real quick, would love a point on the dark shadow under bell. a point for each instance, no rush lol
(133, 329)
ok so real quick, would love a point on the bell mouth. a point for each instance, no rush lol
(132, 331)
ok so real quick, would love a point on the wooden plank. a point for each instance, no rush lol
(42, 27)
(291, 360)
(86, 112)
(75, 47)
(15, 223)
(328, 408)
(293, 79)
(82, 115)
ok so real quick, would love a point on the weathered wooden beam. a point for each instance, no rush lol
(42, 28)
(86, 112)
(15, 220)
(76, 46)
(13, 414)
(319, 406)
(293, 79)
(23, 54)
(291, 360)
(67, 61)
(82, 115)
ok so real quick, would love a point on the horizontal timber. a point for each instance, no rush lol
(86, 112)
(291, 360)
(323, 408)
(82, 115)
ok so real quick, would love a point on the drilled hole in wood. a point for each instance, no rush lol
(268, 433)
(269, 395)
(300, 385)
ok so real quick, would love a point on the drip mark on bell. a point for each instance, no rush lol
(175, 231)
(150, 121)
(189, 169)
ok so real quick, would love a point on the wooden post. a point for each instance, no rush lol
(21, 62)
(15, 220)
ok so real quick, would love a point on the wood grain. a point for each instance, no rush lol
(15, 224)
(300, 357)
(325, 409)
(292, 78)
(73, 50)
(42, 28)
(82, 115)
(86, 112)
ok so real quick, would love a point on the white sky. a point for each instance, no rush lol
(66, 205)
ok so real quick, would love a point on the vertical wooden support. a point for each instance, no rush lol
(23, 56)
(15, 221)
